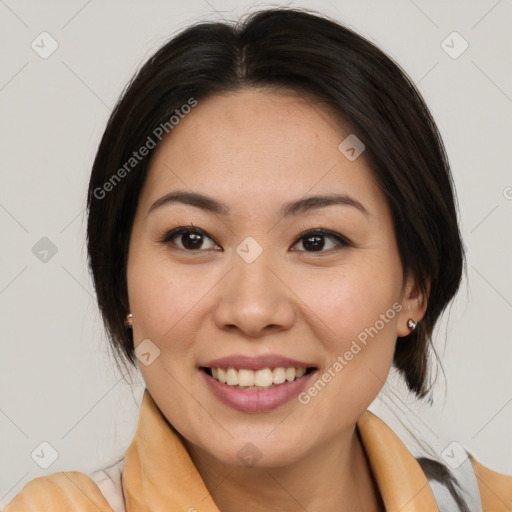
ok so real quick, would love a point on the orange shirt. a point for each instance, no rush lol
(172, 483)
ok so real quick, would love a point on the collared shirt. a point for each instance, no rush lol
(158, 474)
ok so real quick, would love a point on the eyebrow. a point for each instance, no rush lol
(290, 209)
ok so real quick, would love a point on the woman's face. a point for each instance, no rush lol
(246, 281)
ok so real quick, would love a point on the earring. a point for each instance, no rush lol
(411, 324)
(128, 320)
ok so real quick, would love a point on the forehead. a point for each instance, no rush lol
(257, 144)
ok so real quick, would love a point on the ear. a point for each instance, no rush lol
(414, 304)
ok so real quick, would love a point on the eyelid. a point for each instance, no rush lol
(169, 235)
(342, 240)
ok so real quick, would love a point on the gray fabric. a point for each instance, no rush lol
(444, 499)
(424, 437)
(109, 482)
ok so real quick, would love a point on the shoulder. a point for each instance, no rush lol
(467, 486)
(65, 490)
(495, 488)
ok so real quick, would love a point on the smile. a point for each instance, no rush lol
(250, 380)
(259, 390)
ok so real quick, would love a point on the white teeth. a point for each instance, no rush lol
(259, 379)
(263, 377)
(245, 377)
(279, 375)
(232, 377)
(290, 374)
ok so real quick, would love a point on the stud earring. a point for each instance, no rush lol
(411, 324)
(128, 320)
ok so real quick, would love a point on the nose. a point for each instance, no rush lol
(254, 299)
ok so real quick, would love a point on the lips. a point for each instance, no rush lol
(256, 384)
(257, 363)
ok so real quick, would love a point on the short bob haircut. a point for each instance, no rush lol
(310, 55)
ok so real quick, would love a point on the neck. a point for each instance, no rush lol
(337, 477)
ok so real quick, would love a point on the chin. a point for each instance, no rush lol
(257, 452)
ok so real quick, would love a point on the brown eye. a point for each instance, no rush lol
(314, 241)
(194, 239)
(187, 239)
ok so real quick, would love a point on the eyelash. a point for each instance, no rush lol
(181, 230)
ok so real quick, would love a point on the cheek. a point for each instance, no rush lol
(355, 311)
(162, 299)
(161, 294)
(353, 297)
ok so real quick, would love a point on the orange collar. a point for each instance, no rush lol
(173, 483)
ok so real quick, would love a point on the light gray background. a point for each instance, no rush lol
(58, 382)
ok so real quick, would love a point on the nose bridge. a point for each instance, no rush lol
(253, 297)
(252, 269)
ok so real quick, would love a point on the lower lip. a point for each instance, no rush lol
(256, 400)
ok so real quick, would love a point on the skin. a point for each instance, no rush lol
(255, 150)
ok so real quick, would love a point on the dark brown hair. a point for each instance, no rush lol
(315, 56)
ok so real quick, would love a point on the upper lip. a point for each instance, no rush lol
(256, 363)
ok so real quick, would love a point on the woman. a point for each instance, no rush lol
(272, 227)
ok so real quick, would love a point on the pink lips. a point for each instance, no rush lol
(253, 401)
(256, 363)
